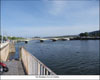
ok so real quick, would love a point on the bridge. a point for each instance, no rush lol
(53, 39)
(26, 64)
(22, 40)
(44, 39)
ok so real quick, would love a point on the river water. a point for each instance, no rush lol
(73, 57)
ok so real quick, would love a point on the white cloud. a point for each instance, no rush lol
(56, 7)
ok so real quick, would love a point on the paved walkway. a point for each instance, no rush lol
(15, 68)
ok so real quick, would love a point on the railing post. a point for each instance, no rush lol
(20, 54)
(38, 68)
(41, 69)
(44, 70)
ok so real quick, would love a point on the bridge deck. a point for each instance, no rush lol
(15, 68)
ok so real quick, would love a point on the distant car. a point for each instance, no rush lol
(3, 68)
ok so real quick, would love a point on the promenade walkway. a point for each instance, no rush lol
(15, 68)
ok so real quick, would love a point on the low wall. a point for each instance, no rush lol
(4, 51)
(12, 47)
(32, 65)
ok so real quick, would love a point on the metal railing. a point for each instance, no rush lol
(32, 65)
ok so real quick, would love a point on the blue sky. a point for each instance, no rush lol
(48, 17)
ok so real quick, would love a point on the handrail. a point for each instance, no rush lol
(33, 65)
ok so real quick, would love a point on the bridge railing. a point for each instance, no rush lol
(32, 65)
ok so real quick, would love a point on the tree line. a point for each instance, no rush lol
(92, 34)
(10, 38)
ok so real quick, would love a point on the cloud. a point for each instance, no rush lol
(56, 7)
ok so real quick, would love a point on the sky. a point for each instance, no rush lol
(30, 18)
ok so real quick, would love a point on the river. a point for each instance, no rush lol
(73, 57)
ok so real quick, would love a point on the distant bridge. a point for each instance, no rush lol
(23, 40)
(53, 39)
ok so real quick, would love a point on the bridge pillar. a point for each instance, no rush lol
(54, 40)
(26, 41)
(41, 40)
(63, 39)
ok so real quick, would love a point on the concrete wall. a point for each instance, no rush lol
(32, 65)
(12, 47)
(4, 51)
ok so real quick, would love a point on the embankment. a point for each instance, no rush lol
(5, 49)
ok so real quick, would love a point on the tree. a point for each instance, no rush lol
(0, 37)
(83, 34)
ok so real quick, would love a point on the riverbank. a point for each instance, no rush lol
(85, 38)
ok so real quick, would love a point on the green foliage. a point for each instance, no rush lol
(4, 38)
(84, 34)
(11, 38)
(95, 34)
(0, 37)
(15, 38)
(91, 34)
